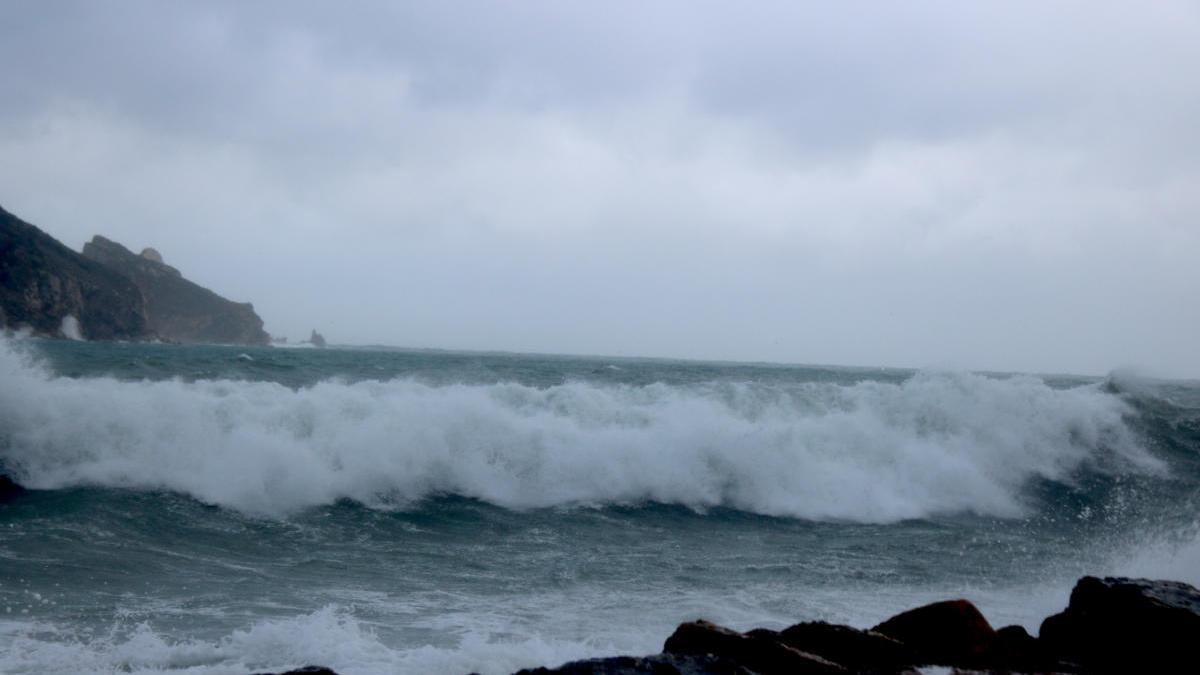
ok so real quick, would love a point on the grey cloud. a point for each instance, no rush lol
(1006, 186)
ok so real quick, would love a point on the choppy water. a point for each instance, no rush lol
(224, 509)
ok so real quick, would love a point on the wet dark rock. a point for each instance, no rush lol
(659, 664)
(1112, 625)
(759, 651)
(9, 489)
(1015, 649)
(177, 309)
(42, 283)
(857, 650)
(316, 339)
(306, 670)
(1118, 624)
(950, 633)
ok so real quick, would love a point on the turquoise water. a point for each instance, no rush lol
(225, 509)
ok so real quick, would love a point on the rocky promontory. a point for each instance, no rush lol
(177, 309)
(109, 293)
(46, 287)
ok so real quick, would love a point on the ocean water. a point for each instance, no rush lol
(229, 509)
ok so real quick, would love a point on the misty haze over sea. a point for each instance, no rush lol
(452, 337)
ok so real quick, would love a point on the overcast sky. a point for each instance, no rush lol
(1008, 185)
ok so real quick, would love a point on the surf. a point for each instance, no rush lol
(933, 444)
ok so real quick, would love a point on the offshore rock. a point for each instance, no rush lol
(179, 310)
(948, 633)
(316, 339)
(45, 286)
(1118, 624)
(758, 651)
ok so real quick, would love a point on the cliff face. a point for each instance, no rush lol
(177, 309)
(42, 282)
(109, 293)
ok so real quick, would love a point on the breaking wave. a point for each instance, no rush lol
(937, 443)
(331, 635)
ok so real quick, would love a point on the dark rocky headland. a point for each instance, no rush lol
(177, 309)
(109, 293)
(1111, 625)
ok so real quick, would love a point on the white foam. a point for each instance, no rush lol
(331, 636)
(871, 452)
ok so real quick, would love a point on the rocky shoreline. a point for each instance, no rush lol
(1111, 625)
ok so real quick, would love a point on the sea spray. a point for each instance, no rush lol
(385, 511)
(937, 443)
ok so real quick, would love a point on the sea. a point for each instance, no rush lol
(224, 509)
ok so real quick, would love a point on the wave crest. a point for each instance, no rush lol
(871, 452)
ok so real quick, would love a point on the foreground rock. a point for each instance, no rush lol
(949, 633)
(759, 651)
(659, 664)
(9, 490)
(1112, 625)
(1117, 624)
(50, 290)
(305, 670)
(177, 309)
(860, 651)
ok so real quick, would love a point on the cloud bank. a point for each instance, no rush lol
(1008, 186)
